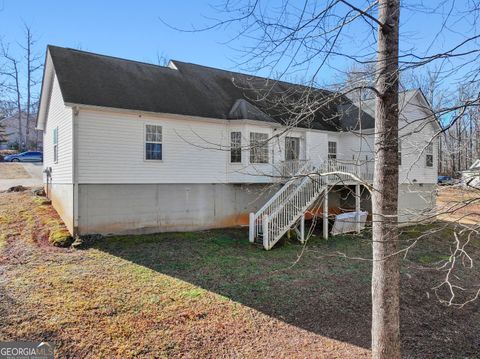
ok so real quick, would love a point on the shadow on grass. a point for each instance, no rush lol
(322, 293)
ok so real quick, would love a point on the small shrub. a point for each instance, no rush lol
(39, 192)
(18, 188)
(60, 237)
(85, 241)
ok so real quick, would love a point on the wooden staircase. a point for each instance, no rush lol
(286, 209)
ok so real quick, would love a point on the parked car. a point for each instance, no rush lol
(445, 180)
(29, 156)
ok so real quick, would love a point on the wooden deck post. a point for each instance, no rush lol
(266, 243)
(251, 228)
(302, 228)
(325, 214)
(357, 207)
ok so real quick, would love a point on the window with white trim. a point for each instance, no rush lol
(153, 142)
(292, 148)
(429, 155)
(258, 147)
(235, 147)
(55, 144)
(332, 150)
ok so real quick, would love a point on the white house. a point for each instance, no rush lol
(132, 147)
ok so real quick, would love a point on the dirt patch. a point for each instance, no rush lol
(211, 294)
(12, 171)
(459, 204)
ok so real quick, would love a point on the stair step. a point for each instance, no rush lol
(285, 208)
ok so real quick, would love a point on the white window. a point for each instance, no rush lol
(332, 150)
(429, 155)
(292, 148)
(153, 142)
(258, 147)
(399, 152)
(235, 147)
(55, 145)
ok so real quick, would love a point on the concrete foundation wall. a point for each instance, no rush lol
(61, 196)
(415, 201)
(150, 208)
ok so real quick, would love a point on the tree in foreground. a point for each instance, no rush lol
(386, 262)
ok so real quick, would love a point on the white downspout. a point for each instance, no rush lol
(75, 111)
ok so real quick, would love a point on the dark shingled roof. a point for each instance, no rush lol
(189, 89)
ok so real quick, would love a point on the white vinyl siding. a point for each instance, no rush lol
(415, 135)
(111, 148)
(316, 151)
(59, 123)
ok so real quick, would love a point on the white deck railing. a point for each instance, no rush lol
(285, 207)
(292, 167)
(275, 225)
(299, 193)
(348, 171)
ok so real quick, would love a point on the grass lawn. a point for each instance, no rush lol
(212, 294)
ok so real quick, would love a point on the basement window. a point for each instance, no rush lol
(153, 142)
(429, 155)
(55, 144)
(258, 147)
(235, 147)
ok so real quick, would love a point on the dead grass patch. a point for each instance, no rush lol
(459, 204)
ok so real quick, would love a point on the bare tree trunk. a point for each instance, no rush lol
(440, 155)
(29, 83)
(386, 267)
(459, 145)
(19, 107)
(471, 139)
(477, 125)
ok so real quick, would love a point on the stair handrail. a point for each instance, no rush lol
(283, 189)
(290, 202)
(291, 182)
(299, 187)
(269, 242)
